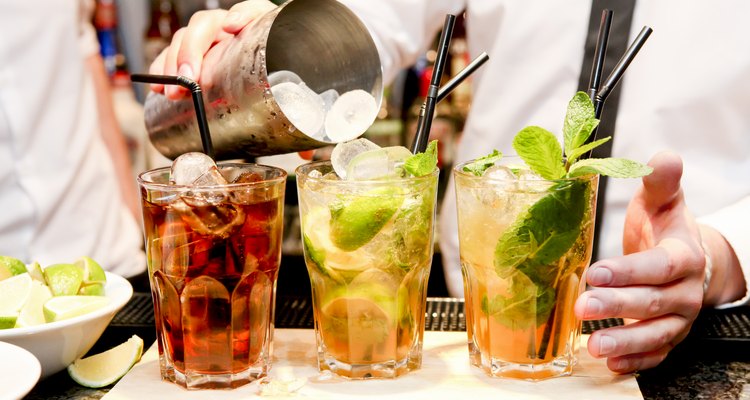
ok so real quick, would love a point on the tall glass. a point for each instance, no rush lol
(524, 245)
(213, 255)
(368, 248)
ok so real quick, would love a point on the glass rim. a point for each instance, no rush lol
(458, 170)
(142, 181)
(305, 169)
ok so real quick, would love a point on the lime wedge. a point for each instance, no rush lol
(329, 260)
(32, 313)
(91, 289)
(106, 368)
(8, 320)
(10, 266)
(63, 279)
(14, 292)
(92, 271)
(357, 222)
(59, 308)
(35, 270)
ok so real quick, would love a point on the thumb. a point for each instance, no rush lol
(662, 186)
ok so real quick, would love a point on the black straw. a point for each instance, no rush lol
(620, 68)
(424, 123)
(599, 53)
(446, 89)
(195, 90)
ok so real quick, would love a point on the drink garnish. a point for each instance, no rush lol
(481, 164)
(543, 234)
(422, 164)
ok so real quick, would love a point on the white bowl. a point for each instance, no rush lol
(58, 344)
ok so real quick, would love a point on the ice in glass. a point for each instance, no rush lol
(367, 232)
(213, 240)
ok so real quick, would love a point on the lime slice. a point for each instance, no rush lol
(92, 271)
(32, 313)
(106, 368)
(8, 320)
(59, 308)
(63, 279)
(10, 266)
(330, 260)
(355, 223)
(378, 163)
(35, 270)
(14, 292)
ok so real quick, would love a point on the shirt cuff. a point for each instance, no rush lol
(732, 222)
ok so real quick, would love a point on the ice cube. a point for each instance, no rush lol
(281, 76)
(206, 216)
(500, 173)
(302, 106)
(350, 116)
(344, 152)
(188, 167)
(377, 163)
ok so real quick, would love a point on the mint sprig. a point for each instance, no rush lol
(481, 164)
(422, 164)
(531, 249)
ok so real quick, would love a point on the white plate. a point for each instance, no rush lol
(19, 371)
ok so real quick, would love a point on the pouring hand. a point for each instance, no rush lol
(190, 45)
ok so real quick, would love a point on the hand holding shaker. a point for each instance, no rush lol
(303, 76)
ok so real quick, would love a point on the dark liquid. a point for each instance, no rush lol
(213, 272)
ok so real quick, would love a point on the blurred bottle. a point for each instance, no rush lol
(105, 22)
(164, 23)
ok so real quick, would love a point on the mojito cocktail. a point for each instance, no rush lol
(524, 246)
(368, 247)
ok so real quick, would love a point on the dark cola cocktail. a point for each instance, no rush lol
(213, 242)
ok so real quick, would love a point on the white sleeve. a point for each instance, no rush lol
(733, 223)
(87, 40)
(403, 29)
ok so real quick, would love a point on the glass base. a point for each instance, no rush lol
(559, 366)
(196, 381)
(383, 370)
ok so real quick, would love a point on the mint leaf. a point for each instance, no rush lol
(422, 164)
(579, 151)
(541, 151)
(481, 164)
(580, 121)
(544, 233)
(614, 167)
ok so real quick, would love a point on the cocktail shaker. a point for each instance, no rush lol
(322, 41)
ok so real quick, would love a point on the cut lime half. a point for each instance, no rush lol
(14, 292)
(63, 307)
(106, 368)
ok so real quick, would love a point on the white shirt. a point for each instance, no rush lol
(59, 197)
(688, 90)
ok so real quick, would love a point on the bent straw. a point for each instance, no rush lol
(428, 107)
(446, 89)
(195, 91)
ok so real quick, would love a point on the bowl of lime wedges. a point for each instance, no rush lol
(59, 311)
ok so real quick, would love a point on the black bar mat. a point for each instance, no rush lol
(447, 314)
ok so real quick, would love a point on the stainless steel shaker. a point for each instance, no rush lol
(322, 41)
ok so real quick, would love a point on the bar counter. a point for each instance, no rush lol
(712, 363)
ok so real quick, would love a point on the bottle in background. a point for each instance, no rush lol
(164, 23)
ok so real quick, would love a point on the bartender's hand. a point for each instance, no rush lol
(657, 286)
(185, 55)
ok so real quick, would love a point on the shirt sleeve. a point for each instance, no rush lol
(87, 40)
(733, 223)
(403, 29)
